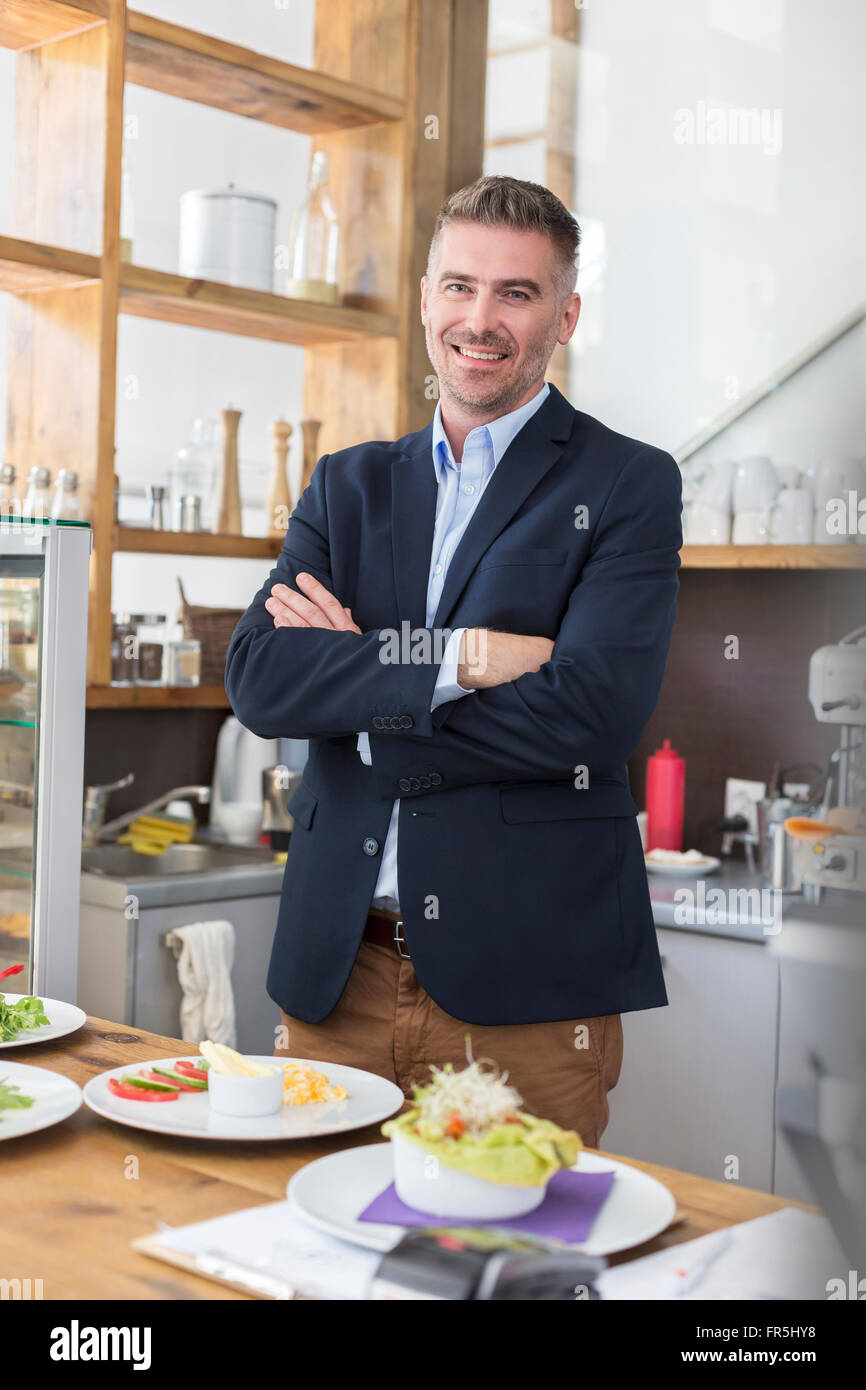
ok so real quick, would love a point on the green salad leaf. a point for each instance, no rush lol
(12, 1099)
(20, 1017)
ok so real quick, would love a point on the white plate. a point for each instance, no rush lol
(707, 865)
(370, 1098)
(65, 1018)
(55, 1098)
(331, 1192)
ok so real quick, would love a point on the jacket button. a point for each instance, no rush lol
(370, 846)
(414, 784)
(404, 784)
(393, 722)
(436, 779)
(406, 721)
(425, 782)
(377, 721)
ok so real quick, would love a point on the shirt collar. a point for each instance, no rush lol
(499, 432)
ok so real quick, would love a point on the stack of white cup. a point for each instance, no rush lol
(754, 502)
(837, 486)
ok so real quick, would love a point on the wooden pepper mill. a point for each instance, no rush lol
(228, 504)
(279, 499)
(310, 431)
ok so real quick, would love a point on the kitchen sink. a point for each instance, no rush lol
(121, 861)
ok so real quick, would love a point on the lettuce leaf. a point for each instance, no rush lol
(20, 1017)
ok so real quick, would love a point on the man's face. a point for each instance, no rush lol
(492, 291)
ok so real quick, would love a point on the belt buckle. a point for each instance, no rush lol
(400, 941)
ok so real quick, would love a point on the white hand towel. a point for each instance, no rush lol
(205, 953)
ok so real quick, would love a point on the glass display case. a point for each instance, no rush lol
(43, 646)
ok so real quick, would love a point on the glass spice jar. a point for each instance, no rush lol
(184, 659)
(37, 502)
(152, 642)
(124, 648)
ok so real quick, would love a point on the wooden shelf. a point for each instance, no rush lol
(26, 23)
(156, 697)
(788, 557)
(142, 540)
(157, 294)
(28, 266)
(182, 63)
(378, 70)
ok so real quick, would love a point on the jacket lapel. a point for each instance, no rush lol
(530, 455)
(413, 518)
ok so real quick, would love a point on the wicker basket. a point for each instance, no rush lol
(212, 627)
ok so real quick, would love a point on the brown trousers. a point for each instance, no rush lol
(386, 1023)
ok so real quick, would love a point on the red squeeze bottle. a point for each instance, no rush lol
(665, 798)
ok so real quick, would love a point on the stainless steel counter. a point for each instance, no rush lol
(735, 903)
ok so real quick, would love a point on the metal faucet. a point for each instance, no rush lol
(95, 801)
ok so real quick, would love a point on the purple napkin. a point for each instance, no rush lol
(571, 1204)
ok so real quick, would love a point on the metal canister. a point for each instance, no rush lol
(278, 784)
(188, 513)
(776, 848)
(156, 492)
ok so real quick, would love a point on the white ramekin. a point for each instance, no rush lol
(424, 1183)
(245, 1095)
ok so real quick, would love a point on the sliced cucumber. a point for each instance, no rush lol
(144, 1085)
(180, 1078)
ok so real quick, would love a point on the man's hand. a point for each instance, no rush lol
(489, 658)
(314, 607)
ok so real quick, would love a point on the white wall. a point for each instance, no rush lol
(167, 375)
(706, 266)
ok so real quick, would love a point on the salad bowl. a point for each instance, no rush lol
(424, 1183)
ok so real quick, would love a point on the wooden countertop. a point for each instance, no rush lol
(74, 1196)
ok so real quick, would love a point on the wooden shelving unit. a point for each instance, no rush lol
(197, 67)
(28, 23)
(157, 294)
(774, 557)
(142, 541)
(379, 68)
(156, 697)
(26, 267)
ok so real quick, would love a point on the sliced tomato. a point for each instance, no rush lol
(117, 1088)
(190, 1069)
(454, 1125)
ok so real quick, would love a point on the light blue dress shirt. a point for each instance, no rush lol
(460, 486)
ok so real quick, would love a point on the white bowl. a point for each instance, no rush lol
(245, 1095)
(427, 1185)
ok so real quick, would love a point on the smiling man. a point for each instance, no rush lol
(470, 625)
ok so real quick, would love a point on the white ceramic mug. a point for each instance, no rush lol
(752, 526)
(716, 490)
(789, 476)
(832, 507)
(792, 517)
(756, 483)
(706, 525)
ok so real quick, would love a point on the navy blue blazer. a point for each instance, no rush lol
(521, 876)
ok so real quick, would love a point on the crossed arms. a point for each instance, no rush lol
(299, 666)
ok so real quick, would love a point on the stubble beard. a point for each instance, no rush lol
(492, 395)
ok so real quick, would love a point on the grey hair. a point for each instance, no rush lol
(499, 200)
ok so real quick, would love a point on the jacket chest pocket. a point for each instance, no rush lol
(522, 556)
(522, 803)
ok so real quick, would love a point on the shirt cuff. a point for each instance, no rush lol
(364, 749)
(446, 687)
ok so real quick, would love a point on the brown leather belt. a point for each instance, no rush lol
(386, 929)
